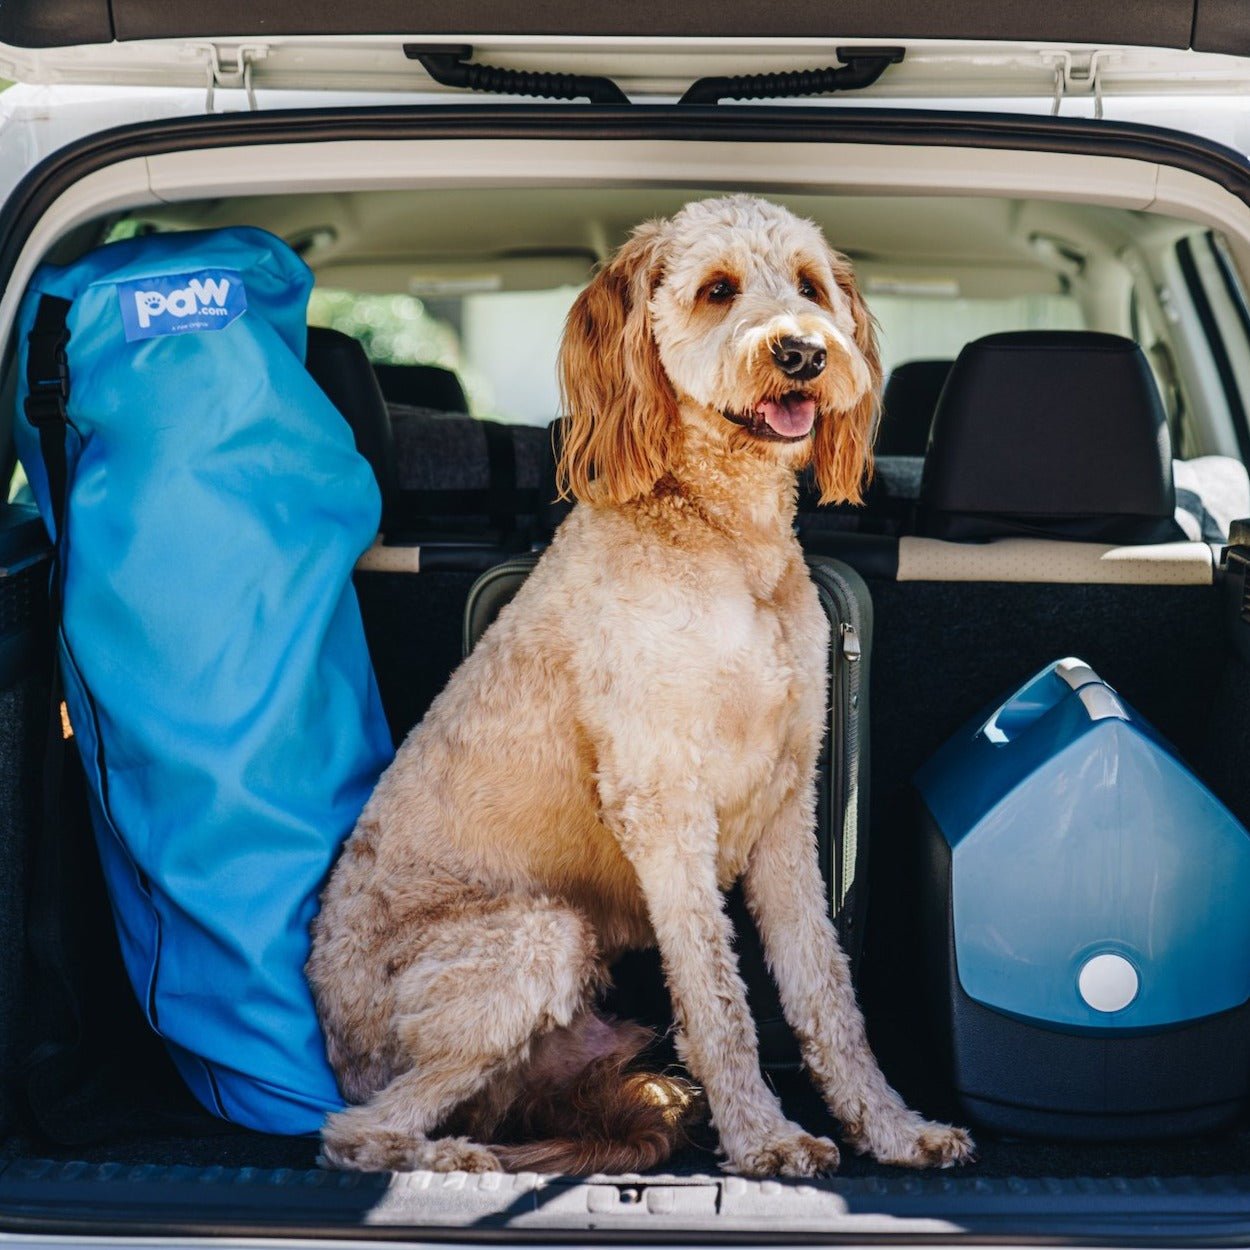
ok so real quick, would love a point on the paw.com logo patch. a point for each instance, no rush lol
(181, 303)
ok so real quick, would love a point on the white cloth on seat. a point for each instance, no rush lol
(1211, 493)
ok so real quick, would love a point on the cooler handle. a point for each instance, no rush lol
(1033, 700)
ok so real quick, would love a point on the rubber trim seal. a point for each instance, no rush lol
(1237, 297)
(1215, 344)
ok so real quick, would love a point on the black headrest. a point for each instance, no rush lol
(1050, 433)
(422, 386)
(339, 366)
(907, 407)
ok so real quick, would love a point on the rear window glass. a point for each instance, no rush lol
(933, 328)
(501, 344)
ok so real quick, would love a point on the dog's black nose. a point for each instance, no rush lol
(800, 359)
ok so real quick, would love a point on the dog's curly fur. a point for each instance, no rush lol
(638, 730)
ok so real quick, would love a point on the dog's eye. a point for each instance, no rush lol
(722, 291)
(807, 289)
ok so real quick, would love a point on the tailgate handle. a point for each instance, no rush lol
(861, 68)
(450, 66)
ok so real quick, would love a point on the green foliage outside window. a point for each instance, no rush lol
(398, 330)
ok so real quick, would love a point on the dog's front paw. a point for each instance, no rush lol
(907, 1141)
(792, 1153)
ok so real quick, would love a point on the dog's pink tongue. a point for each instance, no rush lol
(791, 417)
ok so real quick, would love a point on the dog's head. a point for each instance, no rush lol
(734, 316)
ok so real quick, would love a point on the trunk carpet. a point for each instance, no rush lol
(221, 1146)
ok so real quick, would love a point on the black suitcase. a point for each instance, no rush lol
(842, 803)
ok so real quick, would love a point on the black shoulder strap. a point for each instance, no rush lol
(47, 380)
(47, 383)
(57, 1028)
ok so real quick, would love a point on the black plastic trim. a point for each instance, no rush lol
(1162, 23)
(1206, 25)
(55, 23)
(1221, 26)
(1215, 343)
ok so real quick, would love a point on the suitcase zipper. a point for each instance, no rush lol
(844, 729)
(850, 642)
(848, 686)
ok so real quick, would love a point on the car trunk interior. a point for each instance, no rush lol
(940, 653)
(133, 1150)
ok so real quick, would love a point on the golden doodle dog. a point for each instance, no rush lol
(638, 730)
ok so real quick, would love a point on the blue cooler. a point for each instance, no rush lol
(1088, 912)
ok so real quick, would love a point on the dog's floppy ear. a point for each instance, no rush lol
(621, 411)
(842, 452)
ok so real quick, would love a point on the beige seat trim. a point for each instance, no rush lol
(1053, 560)
(381, 559)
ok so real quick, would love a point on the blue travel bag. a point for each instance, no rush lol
(207, 505)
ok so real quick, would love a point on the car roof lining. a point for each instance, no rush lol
(535, 237)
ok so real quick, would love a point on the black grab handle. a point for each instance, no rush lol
(861, 68)
(449, 64)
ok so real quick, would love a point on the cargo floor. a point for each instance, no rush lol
(1224, 1154)
(152, 1180)
(248, 1185)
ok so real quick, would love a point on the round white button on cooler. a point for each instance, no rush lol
(1108, 982)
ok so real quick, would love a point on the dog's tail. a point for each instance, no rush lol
(585, 1105)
